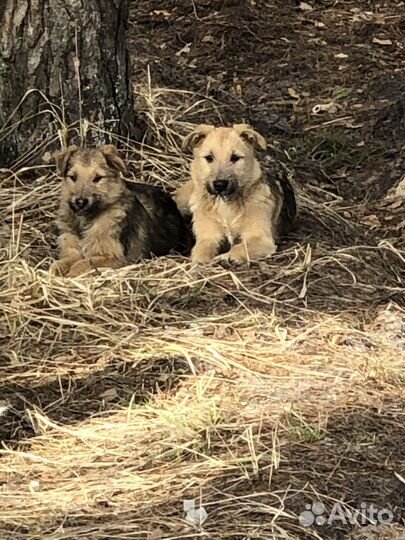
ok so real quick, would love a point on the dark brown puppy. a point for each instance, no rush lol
(106, 221)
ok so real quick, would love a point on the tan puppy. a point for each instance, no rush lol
(106, 221)
(231, 202)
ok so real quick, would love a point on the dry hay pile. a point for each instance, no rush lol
(252, 391)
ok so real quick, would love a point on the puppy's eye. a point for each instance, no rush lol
(209, 158)
(235, 158)
(97, 179)
(72, 177)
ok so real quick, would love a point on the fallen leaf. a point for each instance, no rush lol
(341, 55)
(379, 41)
(222, 332)
(111, 393)
(161, 12)
(4, 407)
(293, 93)
(371, 221)
(185, 50)
(47, 157)
(389, 324)
(155, 534)
(397, 193)
(305, 7)
(208, 39)
(400, 190)
(360, 16)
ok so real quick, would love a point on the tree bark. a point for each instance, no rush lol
(64, 74)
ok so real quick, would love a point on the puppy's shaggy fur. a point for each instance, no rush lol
(231, 202)
(106, 221)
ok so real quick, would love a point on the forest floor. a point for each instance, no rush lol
(255, 392)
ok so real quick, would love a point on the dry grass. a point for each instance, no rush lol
(251, 390)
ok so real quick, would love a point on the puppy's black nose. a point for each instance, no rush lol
(220, 186)
(81, 203)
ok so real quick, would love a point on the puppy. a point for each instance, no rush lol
(106, 221)
(234, 206)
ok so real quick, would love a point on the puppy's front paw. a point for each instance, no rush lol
(235, 256)
(95, 263)
(201, 255)
(62, 267)
(80, 267)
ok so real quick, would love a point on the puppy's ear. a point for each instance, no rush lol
(62, 158)
(196, 137)
(113, 159)
(251, 136)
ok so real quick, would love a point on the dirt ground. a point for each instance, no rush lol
(271, 63)
(254, 392)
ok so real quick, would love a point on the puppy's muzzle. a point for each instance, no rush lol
(80, 204)
(222, 187)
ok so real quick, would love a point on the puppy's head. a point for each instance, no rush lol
(91, 177)
(224, 158)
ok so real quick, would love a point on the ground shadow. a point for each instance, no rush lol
(70, 400)
(353, 463)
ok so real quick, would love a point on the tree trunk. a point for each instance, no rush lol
(64, 74)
